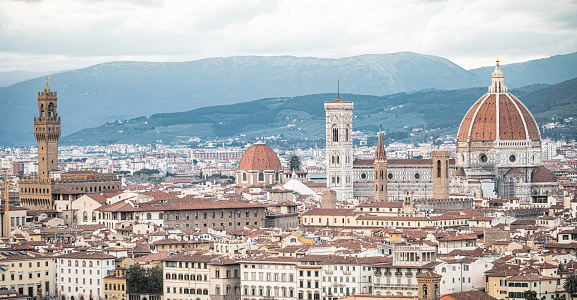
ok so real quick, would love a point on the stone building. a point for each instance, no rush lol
(51, 184)
(498, 153)
(499, 143)
(339, 141)
(203, 215)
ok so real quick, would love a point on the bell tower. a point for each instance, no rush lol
(47, 132)
(440, 174)
(380, 165)
(339, 149)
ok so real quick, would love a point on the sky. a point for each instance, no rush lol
(54, 35)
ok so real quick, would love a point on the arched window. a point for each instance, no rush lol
(69, 263)
(160, 216)
(93, 216)
(51, 110)
(85, 216)
(346, 134)
(149, 216)
(76, 263)
(335, 134)
(424, 291)
(243, 176)
(438, 169)
(90, 264)
(381, 174)
(41, 110)
(276, 176)
(436, 290)
(217, 290)
(260, 176)
(84, 264)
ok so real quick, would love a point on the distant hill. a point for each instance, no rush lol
(303, 117)
(13, 77)
(95, 95)
(549, 70)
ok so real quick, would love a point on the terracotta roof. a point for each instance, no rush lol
(87, 255)
(480, 122)
(459, 172)
(338, 100)
(513, 171)
(470, 295)
(98, 198)
(331, 212)
(542, 174)
(390, 204)
(259, 157)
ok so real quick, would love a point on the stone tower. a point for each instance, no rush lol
(429, 286)
(380, 165)
(47, 132)
(339, 150)
(440, 174)
(329, 199)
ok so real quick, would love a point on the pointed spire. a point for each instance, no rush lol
(380, 153)
(498, 80)
(47, 88)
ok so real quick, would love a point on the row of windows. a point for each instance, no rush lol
(187, 291)
(186, 277)
(180, 264)
(83, 271)
(83, 280)
(213, 215)
(21, 275)
(113, 286)
(260, 177)
(77, 263)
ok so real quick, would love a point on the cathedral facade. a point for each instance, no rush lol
(498, 154)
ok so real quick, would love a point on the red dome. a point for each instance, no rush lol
(259, 157)
(498, 115)
(542, 174)
(514, 120)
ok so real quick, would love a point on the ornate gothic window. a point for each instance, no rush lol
(335, 134)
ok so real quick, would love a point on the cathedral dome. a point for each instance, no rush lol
(259, 157)
(542, 174)
(498, 115)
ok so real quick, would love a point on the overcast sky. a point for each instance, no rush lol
(55, 35)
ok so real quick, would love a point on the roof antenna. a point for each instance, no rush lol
(338, 89)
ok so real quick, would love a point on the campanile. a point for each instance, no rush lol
(47, 132)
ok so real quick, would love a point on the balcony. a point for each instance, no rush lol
(378, 273)
(387, 273)
(398, 273)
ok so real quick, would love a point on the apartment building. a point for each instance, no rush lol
(81, 274)
(27, 273)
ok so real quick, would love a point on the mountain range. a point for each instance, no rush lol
(403, 116)
(115, 91)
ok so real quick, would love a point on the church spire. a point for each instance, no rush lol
(380, 166)
(380, 153)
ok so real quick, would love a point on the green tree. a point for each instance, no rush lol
(136, 279)
(570, 285)
(294, 163)
(155, 280)
(530, 295)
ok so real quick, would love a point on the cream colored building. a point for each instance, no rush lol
(28, 273)
(187, 276)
